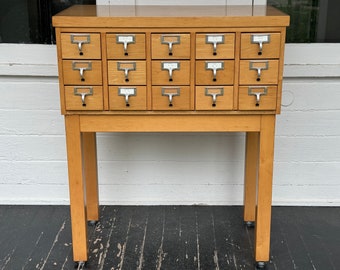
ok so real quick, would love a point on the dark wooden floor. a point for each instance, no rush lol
(169, 237)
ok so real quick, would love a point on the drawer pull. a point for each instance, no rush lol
(258, 66)
(126, 67)
(257, 92)
(81, 66)
(214, 92)
(78, 39)
(214, 66)
(260, 39)
(170, 40)
(170, 92)
(125, 40)
(214, 40)
(170, 67)
(127, 92)
(80, 91)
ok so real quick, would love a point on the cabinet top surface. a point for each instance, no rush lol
(174, 16)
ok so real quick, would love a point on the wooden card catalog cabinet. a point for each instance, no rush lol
(170, 69)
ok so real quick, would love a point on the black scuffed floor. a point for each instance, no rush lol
(169, 237)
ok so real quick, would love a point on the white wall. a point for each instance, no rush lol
(169, 168)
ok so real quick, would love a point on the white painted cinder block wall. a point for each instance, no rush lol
(169, 168)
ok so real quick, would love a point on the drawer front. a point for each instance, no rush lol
(214, 72)
(170, 46)
(80, 72)
(214, 98)
(259, 72)
(171, 98)
(125, 46)
(170, 72)
(251, 45)
(127, 72)
(257, 98)
(215, 46)
(127, 98)
(89, 98)
(80, 46)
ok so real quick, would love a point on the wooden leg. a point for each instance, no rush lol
(77, 188)
(250, 176)
(264, 189)
(91, 175)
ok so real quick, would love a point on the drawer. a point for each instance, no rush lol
(170, 72)
(89, 98)
(171, 98)
(170, 46)
(211, 46)
(214, 98)
(257, 98)
(125, 46)
(214, 72)
(259, 71)
(127, 98)
(80, 46)
(251, 44)
(81, 72)
(127, 72)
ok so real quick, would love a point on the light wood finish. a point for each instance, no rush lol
(176, 16)
(248, 102)
(93, 102)
(180, 76)
(135, 50)
(135, 102)
(191, 110)
(224, 50)
(76, 187)
(91, 77)
(250, 176)
(180, 99)
(89, 50)
(136, 76)
(264, 188)
(89, 144)
(251, 50)
(250, 76)
(160, 50)
(169, 122)
(204, 98)
(224, 76)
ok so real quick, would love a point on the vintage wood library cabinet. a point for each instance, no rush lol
(170, 69)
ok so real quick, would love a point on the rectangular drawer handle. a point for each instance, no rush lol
(260, 39)
(257, 91)
(214, 39)
(171, 92)
(80, 91)
(125, 40)
(170, 67)
(170, 40)
(214, 92)
(75, 40)
(258, 66)
(81, 66)
(127, 92)
(214, 66)
(126, 67)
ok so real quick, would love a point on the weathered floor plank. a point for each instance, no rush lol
(169, 237)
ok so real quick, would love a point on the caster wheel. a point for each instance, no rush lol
(79, 265)
(260, 265)
(92, 223)
(250, 224)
